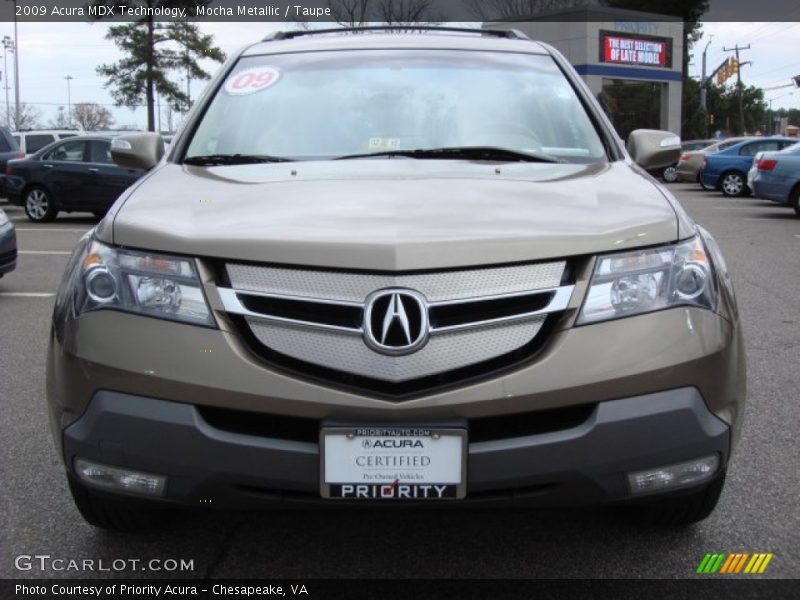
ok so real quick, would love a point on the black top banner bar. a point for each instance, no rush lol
(354, 12)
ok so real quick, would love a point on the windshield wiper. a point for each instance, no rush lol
(463, 152)
(232, 159)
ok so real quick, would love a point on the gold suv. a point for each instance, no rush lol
(396, 267)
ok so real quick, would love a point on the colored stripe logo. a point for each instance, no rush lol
(734, 563)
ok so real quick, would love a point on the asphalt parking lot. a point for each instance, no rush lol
(759, 510)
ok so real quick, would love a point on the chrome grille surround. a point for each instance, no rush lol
(438, 286)
(343, 348)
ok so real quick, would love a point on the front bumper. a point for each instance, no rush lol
(8, 248)
(709, 179)
(585, 463)
(770, 190)
(12, 189)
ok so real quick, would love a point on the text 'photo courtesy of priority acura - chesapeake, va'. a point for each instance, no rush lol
(448, 284)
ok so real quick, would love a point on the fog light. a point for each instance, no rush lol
(690, 282)
(119, 479)
(673, 476)
(101, 285)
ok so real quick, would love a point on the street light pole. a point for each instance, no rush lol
(8, 46)
(16, 65)
(69, 101)
(703, 81)
(704, 89)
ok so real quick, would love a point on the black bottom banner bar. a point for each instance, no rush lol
(389, 589)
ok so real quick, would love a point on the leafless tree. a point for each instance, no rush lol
(91, 116)
(406, 12)
(60, 121)
(492, 10)
(30, 117)
(359, 13)
(349, 13)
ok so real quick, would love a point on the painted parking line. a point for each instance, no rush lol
(54, 252)
(45, 229)
(773, 219)
(26, 295)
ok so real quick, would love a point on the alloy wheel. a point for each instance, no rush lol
(37, 204)
(732, 184)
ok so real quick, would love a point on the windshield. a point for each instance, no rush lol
(324, 105)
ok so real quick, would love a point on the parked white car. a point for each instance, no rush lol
(33, 140)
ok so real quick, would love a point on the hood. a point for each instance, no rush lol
(393, 214)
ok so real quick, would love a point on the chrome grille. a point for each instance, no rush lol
(478, 315)
(442, 353)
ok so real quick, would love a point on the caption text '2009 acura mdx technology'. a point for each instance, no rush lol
(400, 267)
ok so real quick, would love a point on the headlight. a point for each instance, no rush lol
(3, 218)
(642, 281)
(155, 285)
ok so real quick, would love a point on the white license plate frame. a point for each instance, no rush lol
(453, 484)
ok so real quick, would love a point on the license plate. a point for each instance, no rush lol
(393, 463)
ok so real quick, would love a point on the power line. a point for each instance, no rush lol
(771, 33)
(786, 66)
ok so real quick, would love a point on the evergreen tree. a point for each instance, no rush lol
(152, 50)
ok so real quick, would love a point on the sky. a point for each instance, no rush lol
(51, 51)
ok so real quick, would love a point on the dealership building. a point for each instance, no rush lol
(631, 61)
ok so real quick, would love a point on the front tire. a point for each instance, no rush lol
(683, 510)
(794, 200)
(118, 514)
(670, 174)
(733, 184)
(39, 205)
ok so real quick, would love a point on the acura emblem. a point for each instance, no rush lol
(396, 321)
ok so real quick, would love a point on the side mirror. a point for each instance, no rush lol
(138, 150)
(653, 149)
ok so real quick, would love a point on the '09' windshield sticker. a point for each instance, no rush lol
(251, 80)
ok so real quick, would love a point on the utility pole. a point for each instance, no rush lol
(736, 49)
(69, 101)
(771, 124)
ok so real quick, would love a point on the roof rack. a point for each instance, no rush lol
(503, 33)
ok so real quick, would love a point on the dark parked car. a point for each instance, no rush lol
(8, 151)
(70, 175)
(8, 245)
(727, 170)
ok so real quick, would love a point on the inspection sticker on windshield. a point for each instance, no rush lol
(383, 143)
(251, 80)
